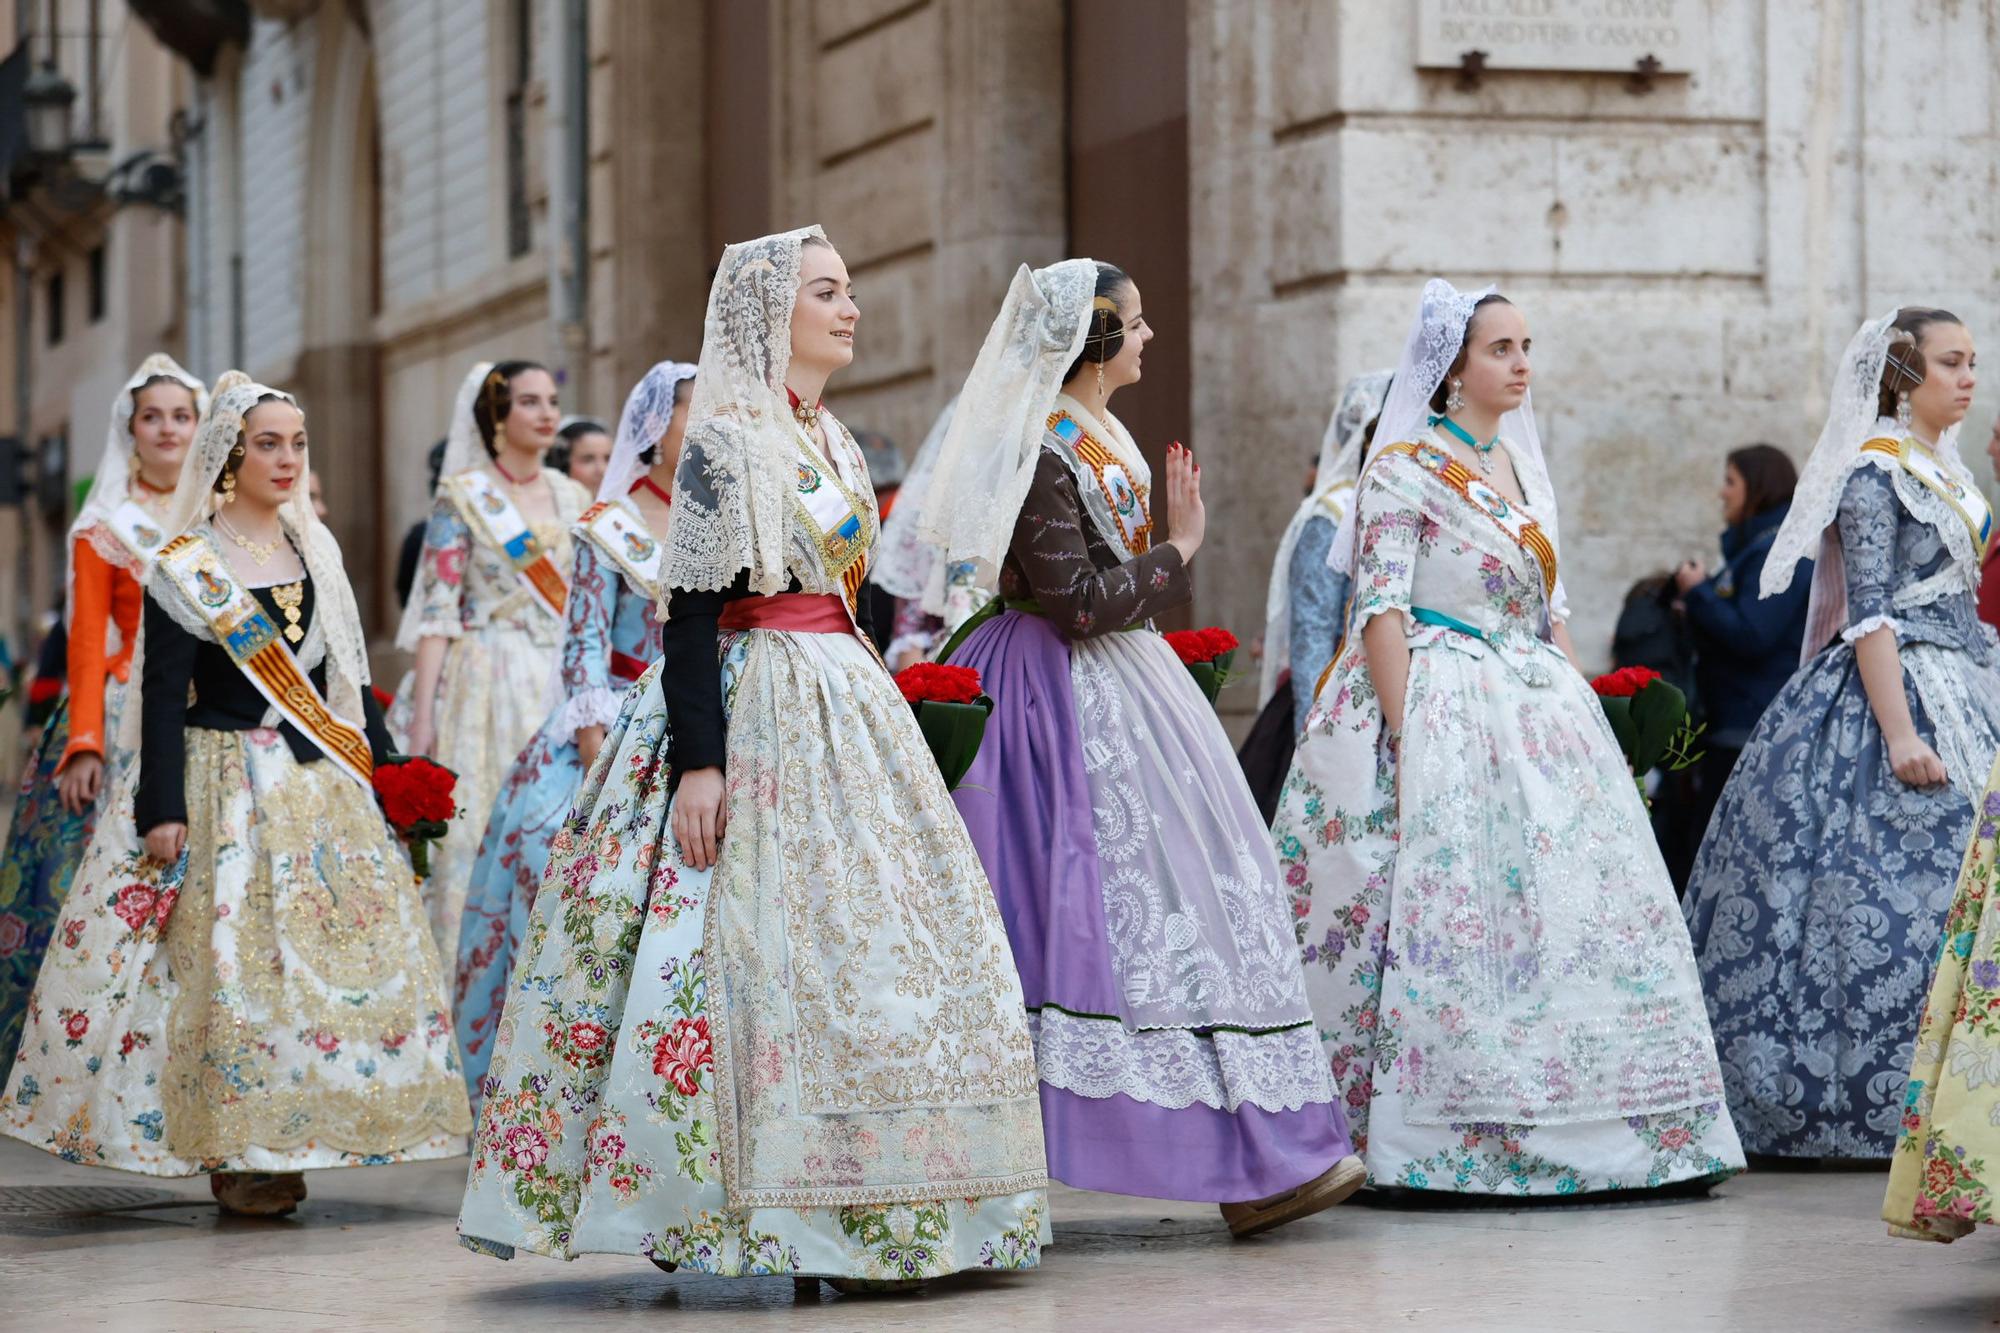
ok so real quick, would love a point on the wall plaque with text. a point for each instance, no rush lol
(1610, 36)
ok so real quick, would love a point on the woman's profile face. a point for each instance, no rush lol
(1735, 496)
(1951, 372)
(825, 315)
(589, 455)
(1497, 370)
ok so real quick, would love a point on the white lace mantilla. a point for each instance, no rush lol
(1175, 1068)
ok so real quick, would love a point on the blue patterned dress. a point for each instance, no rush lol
(1817, 900)
(612, 637)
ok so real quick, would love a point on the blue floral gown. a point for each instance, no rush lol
(613, 636)
(1819, 895)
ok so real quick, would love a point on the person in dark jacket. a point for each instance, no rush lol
(1746, 646)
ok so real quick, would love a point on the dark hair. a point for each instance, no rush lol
(434, 460)
(1107, 330)
(1441, 394)
(496, 400)
(1769, 477)
(566, 438)
(1904, 369)
(194, 399)
(234, 461)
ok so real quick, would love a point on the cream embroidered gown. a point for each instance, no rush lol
(809, 1059)
(1495, 960)
(493, 691)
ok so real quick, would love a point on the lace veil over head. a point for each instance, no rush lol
(987, 460)
(1809, 530)
(336, 624)
(1436, 335)
(737, 468)
(904, 563)
(111, 483)
(648, 409)
(1339, 463)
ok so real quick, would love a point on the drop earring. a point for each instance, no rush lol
(1456, 401)
(1903, 410)
(1100, 379)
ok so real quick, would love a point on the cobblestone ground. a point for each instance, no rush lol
(374, 1249)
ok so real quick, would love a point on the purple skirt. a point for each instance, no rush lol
(1026, 802)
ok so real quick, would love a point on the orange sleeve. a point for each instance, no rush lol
(89, 616)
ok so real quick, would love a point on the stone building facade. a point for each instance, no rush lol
(382, 191)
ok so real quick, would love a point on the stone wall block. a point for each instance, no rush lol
(882, 82)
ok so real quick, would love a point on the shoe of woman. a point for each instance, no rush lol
(1323, 1191)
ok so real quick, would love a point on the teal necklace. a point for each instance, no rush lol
(1483, 453)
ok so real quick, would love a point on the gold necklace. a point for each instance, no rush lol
(290, 597)
(260, 552)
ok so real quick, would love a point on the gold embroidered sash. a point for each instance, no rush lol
(1519, 526)
(623, 538)
(1127, 501)
(251, 639)
(836, 518)
(137, 531)
(495, 521)
(1969, 505)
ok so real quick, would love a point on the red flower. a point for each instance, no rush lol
(72, 932)
(76, 1023)
(1200, 645)
(683, 1053)
(326, 1040)
(933, 682)
(135, 905)
(587, 1037)
(165, 907)
(13, 934)
(1624, 682)
(415, 791)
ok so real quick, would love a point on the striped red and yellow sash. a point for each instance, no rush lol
(1520, 526)
(1127, 501)
(251, 639)
(494, 519)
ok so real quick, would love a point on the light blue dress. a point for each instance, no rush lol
(612, 636)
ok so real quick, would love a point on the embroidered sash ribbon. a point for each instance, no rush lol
(837, 521)
(1969, 505)
(137, 531)
(624, 540)
(1128, 503)
(495, 520)
(1510, 518)
(252, 641)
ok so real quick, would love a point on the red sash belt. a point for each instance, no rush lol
(796, 612)
(626, 667)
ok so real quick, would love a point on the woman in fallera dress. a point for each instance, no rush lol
(613, 636)
(1820, 894)
(764, 1019)
(1495, 957)
(1307, 597)
(71, 774)
(1172, 1031)
(242, 984)
(485, 619)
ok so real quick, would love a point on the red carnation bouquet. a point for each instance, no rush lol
(416, 797)
(951, 711)
(1649, 716)
(1206, 653)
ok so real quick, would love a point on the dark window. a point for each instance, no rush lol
(97, 284)
(57, 301)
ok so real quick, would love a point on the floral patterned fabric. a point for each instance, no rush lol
(811, 1057)
(1501, 981)
(1942, 1177)
(271, 1002)
(1817, 899)
(606, 615)
(492, 691)
(601, 1130)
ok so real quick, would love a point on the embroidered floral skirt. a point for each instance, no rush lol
(44, 846)
(1172, 1031)
(1947, 1163)
(1499, 971)
(1818, 897)
(607, 1124)
(270, 1003)
(534, 798)
(492, 694)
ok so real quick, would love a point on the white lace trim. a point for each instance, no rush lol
(1861, 630)
(1947, 582)
(597, 707)
(1175, 1068)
